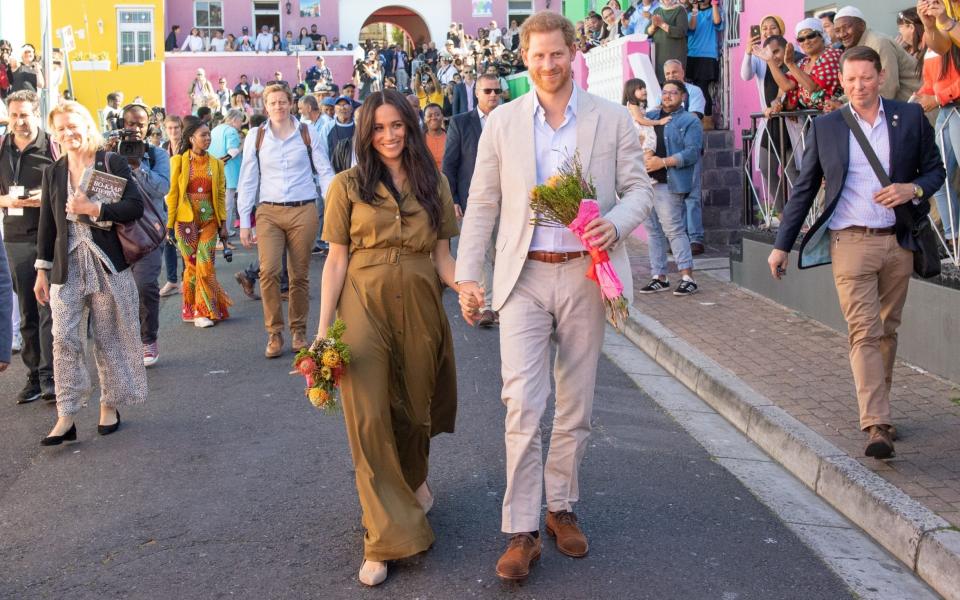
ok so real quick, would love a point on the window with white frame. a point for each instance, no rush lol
(135, 26)
(208, 16)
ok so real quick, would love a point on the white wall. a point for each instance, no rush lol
(436, 14)
(881, 14)
(12, 24)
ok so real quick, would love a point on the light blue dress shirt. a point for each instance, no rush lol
(283, 173)
(638, 23)
(551, 149)
(223, 138)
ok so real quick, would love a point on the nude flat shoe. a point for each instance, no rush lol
(424, 497)
(372, 573)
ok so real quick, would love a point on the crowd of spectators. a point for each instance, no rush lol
(268, 39)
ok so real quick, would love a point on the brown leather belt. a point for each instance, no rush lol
(555, 257)
(870, 230)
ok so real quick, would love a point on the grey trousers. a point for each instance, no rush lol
(111, 303)
(146, 272)
(36, 325)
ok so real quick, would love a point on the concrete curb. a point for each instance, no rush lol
(917, 536)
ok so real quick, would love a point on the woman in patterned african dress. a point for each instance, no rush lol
(196, 217)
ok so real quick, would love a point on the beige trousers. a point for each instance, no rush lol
(872, 274)
(293, 228)
(552, 305)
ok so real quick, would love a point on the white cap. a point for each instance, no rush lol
(850, 11)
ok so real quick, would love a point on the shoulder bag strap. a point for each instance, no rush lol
(305, 136)
(260, 133)
(847, 114)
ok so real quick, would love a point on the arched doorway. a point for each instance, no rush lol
(429, 26)
(388, 24)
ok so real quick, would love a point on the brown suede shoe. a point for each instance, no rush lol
(880, 442)
(570, 540)
(487, 319)
(299, 341)
(514, 564)
(246, 285)
(274, 346)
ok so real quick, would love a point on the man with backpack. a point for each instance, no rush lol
(284, 172)
(25, 152)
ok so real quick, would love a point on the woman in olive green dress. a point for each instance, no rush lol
(389, 221)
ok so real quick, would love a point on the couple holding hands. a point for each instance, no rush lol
(389, 222)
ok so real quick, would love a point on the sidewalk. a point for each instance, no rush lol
(760, 360)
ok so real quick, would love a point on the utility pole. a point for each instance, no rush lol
(48, 94)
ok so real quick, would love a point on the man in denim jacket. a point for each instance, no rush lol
(673, 168)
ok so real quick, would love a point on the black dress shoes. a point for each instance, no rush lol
(108, 429)
(56, 440)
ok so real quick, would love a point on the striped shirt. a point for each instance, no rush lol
(856, 205)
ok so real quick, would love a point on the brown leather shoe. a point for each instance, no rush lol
(299, 341)
(880, 443)
(570, 540)
(246, 284)
(514, 564)
(274, 346)
(696, 248)
(488, 319)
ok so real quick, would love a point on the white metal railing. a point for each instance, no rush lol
(605, 63)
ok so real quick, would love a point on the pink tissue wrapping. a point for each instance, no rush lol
(601, 270)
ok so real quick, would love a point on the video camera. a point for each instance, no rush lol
(128, 146)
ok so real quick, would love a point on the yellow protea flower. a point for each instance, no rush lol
(326, 373)
(318, 397)
(554, 181)
(331, 358)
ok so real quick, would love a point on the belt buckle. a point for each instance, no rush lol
(566, 257)
(394, 256)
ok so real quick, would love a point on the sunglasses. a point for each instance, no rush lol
(807, 38)
(491, 91)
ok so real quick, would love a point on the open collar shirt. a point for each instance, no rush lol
(283, 172)
(552, 147)
(856, 205)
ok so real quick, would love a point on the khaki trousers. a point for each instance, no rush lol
(872, 274)
(552, 304)
(292, 228)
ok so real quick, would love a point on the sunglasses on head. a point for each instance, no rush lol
(808, 37)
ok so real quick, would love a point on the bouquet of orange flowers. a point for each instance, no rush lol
(322, 364)
(568, 199)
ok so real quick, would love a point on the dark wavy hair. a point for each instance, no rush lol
(415, 159)
(189, 128)
(630, 89)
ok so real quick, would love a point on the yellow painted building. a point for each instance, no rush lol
(119, 47)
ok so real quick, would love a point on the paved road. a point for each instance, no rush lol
(229, 484)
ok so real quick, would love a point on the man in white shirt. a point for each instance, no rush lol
(264, 42)
(217, 42)
(495, 34)
(285, 167)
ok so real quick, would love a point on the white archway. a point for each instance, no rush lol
(435, 13)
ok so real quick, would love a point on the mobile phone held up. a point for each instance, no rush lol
(754, 31)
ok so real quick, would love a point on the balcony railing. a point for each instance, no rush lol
(772, 149)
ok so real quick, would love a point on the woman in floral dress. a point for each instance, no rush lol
(814, 80)
(196, 212)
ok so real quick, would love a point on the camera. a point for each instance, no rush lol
(227, 253)
(128, 145)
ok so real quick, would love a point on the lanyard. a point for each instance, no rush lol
(15, 165)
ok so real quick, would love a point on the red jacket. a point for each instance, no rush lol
(947, 89)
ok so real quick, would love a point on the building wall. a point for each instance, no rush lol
(881, 14)
(91, 87)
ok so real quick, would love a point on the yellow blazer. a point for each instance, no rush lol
(178, 205)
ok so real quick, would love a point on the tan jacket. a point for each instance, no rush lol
(902, 78)
(506, 172)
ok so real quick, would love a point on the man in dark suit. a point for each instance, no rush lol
(866, 228)
(459, 159)
(465, 94)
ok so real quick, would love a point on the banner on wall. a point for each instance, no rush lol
(483, 8)
(309, 8)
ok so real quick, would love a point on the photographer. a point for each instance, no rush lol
(427, 87)
(25, 152)
(150, 166)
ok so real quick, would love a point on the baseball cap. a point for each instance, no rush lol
(850, 11)
(342, 99)
(329, 102)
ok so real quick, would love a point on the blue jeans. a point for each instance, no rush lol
(693, 217)
(171, 261)
(948, 139)
(665, 226)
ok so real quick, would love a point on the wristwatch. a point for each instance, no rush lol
(917, 192)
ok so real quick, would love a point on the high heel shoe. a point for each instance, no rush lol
(56, 440)
(372, 573)
(108, 429)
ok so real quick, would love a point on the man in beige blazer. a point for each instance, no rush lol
(539, 283)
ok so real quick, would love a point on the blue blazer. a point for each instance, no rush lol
(460, 98)
(914, 158)
(460, 154)
(6, 307)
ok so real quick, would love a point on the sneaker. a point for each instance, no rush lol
(48, 391)
(17, 345)
(30, 392)
(319, 250)
(203, 322)
(169, 289)
(655, 285)
(151, 354)
(686, 288)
